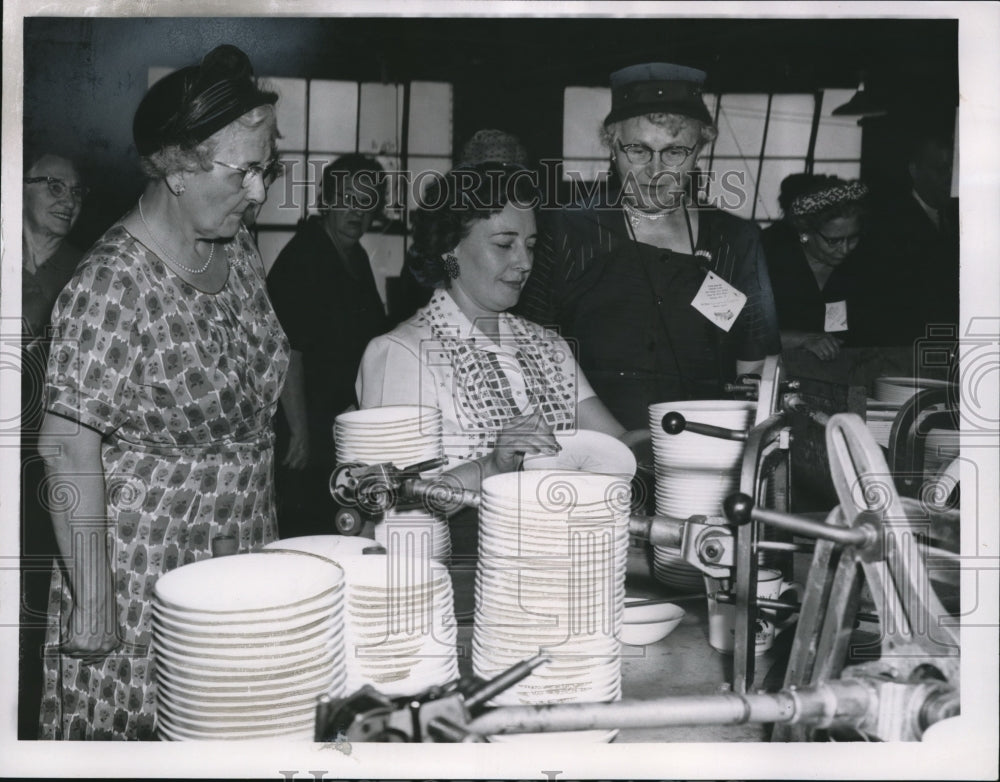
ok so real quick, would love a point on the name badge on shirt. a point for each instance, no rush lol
(836, 316)
(719, 301)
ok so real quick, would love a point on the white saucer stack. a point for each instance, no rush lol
(694, 473)
(243, 646)
(551, 576)
(400, 625)
(401, 434)
(415, 531)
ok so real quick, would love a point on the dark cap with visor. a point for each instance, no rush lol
(656, 87)
(187, 106)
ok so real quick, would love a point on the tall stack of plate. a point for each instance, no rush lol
(243, 646)
(552, 552)
(400, 625)
(403, 435)
(694, 474)
(417, 531)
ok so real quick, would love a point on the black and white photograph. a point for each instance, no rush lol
(616, 381)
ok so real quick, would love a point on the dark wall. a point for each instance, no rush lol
(84, 77)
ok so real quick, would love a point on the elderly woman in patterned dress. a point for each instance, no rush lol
(503, 383)
(163, 378)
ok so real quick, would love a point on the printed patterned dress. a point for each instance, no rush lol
(182, 384)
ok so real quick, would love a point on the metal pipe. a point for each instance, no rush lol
(860, 536)
(505, 680)
(840, 700)
(783, 545)
(658, 530)
(443, 495)
(721, 709)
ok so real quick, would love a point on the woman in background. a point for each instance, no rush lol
(161, 388)
(323, 289)
(813, 268)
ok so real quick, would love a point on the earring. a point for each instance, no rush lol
(450, 265)
(803, 238)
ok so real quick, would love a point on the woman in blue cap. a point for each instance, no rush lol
(162, 381)
(665, 298)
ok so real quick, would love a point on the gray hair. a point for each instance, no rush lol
(174, 158)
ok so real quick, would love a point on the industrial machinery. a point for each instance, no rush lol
(894, 689)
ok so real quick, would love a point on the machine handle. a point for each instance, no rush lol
(675, 423)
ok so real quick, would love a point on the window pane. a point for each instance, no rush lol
(845, 170)
(584, 109)
(286, 197)
(333, 116)
(291, 110)
(731, 185)
(772, 173)
(380, 125)
(430, 119)
(386, 253)
(741, 126)
(790, 124)
(838, 137)
(422, 170)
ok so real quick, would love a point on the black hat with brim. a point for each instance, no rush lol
(187, 106)
(657, 87)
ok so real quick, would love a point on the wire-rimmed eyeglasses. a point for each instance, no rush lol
(58, 188)
(836, 242)
(267, 172)
(640, 154)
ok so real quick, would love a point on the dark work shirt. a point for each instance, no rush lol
(330, 308)
(800, 302)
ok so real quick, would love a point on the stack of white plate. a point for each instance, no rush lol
(878, 418)
(418, 531)
(400, 625)
(694, 473)
(551, 576)
(587, 451)
(243, 646)
(401, 434)
(898, 390)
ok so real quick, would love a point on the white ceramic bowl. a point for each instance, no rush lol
(648, 624)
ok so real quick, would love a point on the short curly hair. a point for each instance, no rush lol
(453, 202)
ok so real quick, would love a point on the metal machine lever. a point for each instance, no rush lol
(675, 423)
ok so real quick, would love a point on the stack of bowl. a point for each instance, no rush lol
(551, 576)
(403, 435)
(694, 473)
(243, 646)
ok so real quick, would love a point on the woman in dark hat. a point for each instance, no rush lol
(622, 275)
(162, 382)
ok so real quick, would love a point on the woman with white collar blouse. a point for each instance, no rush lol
(502, 383)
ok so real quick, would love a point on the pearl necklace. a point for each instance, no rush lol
(636, 216)
(168, 256)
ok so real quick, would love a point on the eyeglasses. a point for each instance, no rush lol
(356, 201)
(267, 172)
(836, 242)
(640, 154)
(58, 188)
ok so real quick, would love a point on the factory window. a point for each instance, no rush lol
(320, 120)
(762, 139)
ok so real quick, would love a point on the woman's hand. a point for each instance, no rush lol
(91, 630)
(522, 435)
(824, 346)
(297, 455)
